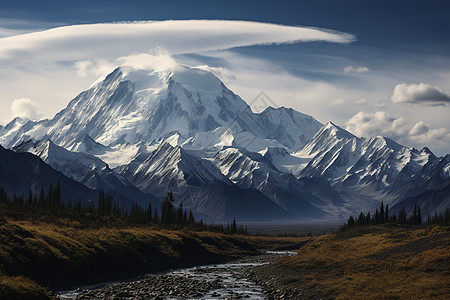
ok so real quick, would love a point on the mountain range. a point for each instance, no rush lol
(139, 133)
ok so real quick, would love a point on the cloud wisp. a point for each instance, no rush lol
(382, 123)
(112, 40)
(25, 108)
(421, 93)
(358, 70)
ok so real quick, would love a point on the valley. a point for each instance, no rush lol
(174, 150)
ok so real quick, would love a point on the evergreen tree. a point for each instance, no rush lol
(386, 214)
(234, 226)
(167, 214)
(351, 222)
(419, 216)
(381, 217)
(57, 196)
(155, 217)
(361, 219)
(368, 218)
(3, 196)
(185, 218)
(41, 201)
(179, 214)
(29, 203)
(149, 212)
(191, 220)
(413, 218)
(402, 216)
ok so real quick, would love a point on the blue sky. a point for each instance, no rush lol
(391, 78)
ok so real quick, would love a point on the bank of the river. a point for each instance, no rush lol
(367, 262)
(63, 255)
(219, 281)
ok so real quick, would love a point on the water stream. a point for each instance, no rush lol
(219, 281)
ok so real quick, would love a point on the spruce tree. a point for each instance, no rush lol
(155, 217)
(386, 214)
(413, 218)
(419, 216)
(234, 226)
(191, 220)
(167, 213)
(149, 212)
(179, 214)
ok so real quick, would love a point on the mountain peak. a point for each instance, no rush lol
(332, 129)
(89, 145)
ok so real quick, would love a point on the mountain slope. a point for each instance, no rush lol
(436, 199)
(289, 127)
(21, 173)
(88, 170)
(132, 106)
(184, 130)
(251, 170)
(200, 186)
(365, 170)
(222, 202)
(171, 168)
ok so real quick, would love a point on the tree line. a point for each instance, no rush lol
(49, 202)
(382, 216)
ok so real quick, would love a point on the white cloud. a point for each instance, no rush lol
(378, 123)
(421, 93)
(222, 73)
(422, 133)
(112, 40)
(25, 108)
(10, 27)
(361, 101)
(40, 64)
(254, 75)
(157, 60)
(351, 69)
(338, 101)
(382, 123)
(84, 67)
(419, 128)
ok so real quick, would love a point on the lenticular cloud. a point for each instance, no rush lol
(112, 40)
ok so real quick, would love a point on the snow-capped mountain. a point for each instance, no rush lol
(184, 130)
(172, 168)
(409, 184)
(362, 168)
(132, 106)
(289, 127)
(87, 170)
(251, 170)
(199, 184)
(10, 132)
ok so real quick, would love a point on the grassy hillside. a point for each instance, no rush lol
(66, 253)
(368, 262)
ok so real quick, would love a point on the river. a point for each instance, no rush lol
(218, 281)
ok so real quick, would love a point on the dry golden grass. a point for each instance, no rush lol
(63, 254)
(20, 288)
(374, 263)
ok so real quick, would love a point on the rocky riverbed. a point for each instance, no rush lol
(233, 280)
